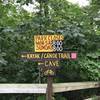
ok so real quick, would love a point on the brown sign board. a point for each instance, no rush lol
(49, 63)
(48, 56)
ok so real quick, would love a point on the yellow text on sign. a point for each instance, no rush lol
(51, 63)
(43, 43)
(40, 56)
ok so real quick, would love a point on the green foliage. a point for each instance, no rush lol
(15, 36)
(41, 98)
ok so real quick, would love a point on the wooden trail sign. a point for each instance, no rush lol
(45, 56)
(49, 63)
(48, 53)
(48, 60)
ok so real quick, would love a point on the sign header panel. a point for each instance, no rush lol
(48, 43)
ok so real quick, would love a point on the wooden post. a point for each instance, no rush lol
(49, 91)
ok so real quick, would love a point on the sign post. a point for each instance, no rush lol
(49, 43)
(49, 91)
(48, 53)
